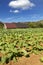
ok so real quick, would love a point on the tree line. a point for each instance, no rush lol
(38, 24)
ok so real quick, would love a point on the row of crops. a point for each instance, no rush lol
(15, 43)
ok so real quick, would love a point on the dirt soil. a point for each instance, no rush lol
(32, 60)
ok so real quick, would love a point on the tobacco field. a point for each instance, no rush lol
(15, 43)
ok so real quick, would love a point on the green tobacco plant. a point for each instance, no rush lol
(15, 43)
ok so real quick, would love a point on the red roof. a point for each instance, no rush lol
(11, 25)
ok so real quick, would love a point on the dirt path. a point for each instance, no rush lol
(32, 60)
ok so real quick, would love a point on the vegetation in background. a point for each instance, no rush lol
(1, 25)
(38, 24)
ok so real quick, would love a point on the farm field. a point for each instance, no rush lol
(21, 46)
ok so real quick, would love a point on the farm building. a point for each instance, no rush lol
(14, 25)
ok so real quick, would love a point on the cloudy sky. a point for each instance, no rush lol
(21, 10)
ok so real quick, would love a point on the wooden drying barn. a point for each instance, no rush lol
(15, 25)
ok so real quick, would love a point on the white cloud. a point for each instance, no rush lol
(22, 4)
(14, 11)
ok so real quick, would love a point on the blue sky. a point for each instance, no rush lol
(21, 10)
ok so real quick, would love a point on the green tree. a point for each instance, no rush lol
(1, 25)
